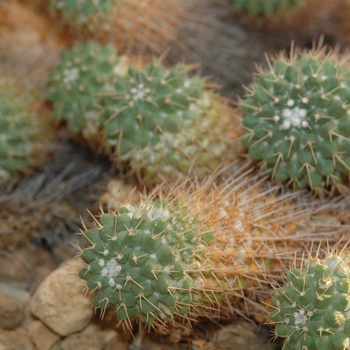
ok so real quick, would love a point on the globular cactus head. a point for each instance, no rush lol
(144, 260)
(298, 121)
(164, 122)
(312, 311)
(83, 13)
(262, 7)
(81, 73)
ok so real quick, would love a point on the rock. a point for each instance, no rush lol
(17, 339)
(60, 303)
(41, 335)
(19, 267)
(117, 344)
(243, 335)
(41, 272)
(11, 312)
(91, 338)
(13, 292)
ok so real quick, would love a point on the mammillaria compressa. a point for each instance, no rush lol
(298, 120)
(79, 76)
(165, 123)
(25, 133)
(312, 309)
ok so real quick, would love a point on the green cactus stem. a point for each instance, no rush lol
(165, 123)
(298, 121)
(82, 72)
(312, 309)
(25, 134)
(144, 261)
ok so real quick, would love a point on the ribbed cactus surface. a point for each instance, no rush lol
(298, 121)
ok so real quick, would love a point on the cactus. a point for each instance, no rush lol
(86, 13)
(24, 135)
(312, 309)
(164, 123)
(262, 7)
(298, 123)
(82, 72)
(144, 261)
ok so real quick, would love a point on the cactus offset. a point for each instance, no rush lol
(312, 309)
(298, 121)
(82, 72)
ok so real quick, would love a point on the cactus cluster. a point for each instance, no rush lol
(81, 74)
(262, 7)
(195, 252)
(312, 309)
(160, 122)
(83, 12)
(298, 122)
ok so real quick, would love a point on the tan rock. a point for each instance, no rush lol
(91, 338)
(11, 312)
(60, 302)
(42, 336)
(13, 292)
(17, 339)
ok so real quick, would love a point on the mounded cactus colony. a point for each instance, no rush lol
(312, 309)
(262, 7)
(160, 122)
(82, 73)
(191, 254)
(298, 121)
